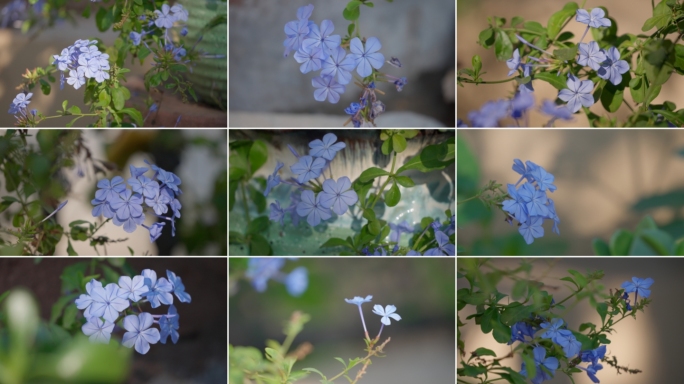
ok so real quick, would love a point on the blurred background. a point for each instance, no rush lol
(647, 343)
(20, 51)
(432, 195)
(198, 157)
(472, 19)
(607, 179)
(269, 90)
(422, 349)
(200, 354)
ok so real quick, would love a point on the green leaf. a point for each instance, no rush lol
(258, 225)
(44, 87)
(557, 20)
(258, 154)
(336, 242)
(369, 4)
(18, 220)
(352, 15)
(259, 246)
(602, 309)
(392, 196)
(353, 4)
(75, 110)
(429, 159)
(103, 19)
(620, 243)
(477, 63)
(369, 215)
(670, 116)
(486, 324)
(661, 242)
(405, 181)
(502, 333)
(565, 53)
(515, 313)
(58, 307)
(579, 278)
(371, 173)
(104, 98)
(570, 279)
(315, 371)
(486, 38)
(69, 315)
(350, 29)
(600, 247)
(611, 97)
(70, 249)
(386, 147)
(659, 61)
(399, 143)
(503, 46)
(662, 15)
(135, 115)
(529, 364)
(118, 99)
(258, 198)
(519, 289)
(558, 82)
(484, 352)
(64, 104)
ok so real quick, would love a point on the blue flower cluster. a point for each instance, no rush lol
(165, 19)
(115, 201)
(82, 61)
(103, 306)
(318, 49)
(556, 331)
(261, 270)
(315, 206)
(529, 204)
(578, 94)
(19, 104)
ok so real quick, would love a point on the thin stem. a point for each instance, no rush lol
(488, 82)
(585, 33)
(468, 199)
(287, 343)
(394, 160)
(244, 201)
(364, 323)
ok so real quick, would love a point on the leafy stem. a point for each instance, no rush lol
(389, 177)
(244, 201)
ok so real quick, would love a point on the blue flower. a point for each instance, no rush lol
(297, 281)
(321, 38)
(135, 171)
(307, 168)
(159, 202)
(178, 287)
(352, 108)
(311, 59)
(444, 248)
(102, 207)
(155, 230)
(516, 206)
(260, 270)
(380, 251)
(526, 87)
(577, 94)
(413, 253)
(159, 291)
(128, 206)
(179, 13)
(513, 63)
(519, 330)
(365, 58)
(590, 54)
(532, 229)
(552, 328)
(327, 148)
(339, 64)
(108, 301)
(21, 101)
(176, 207)
(110, 190)
(639, 286)
(540, 359)
(169, 180)
(399, 83)
(135, 38)
(398, 229)
(99, 331)
(164, 19)
(139, 332)
(591, 370)
(593, 355)
(75, 79)
(169, 324)
(435, 224)
(357, 300)
(557, 111)
(274, 179)
(296, 32)
(338, 195)
(184, 31)
(86, 301)
(133, 288)
(144, 186)
(490, 114)
(566, 339)
(386, 313)
(521, 103)
(311, 207)
(179, 53)
(613, 68)
(544, 179)
(596, 19)
(394, 62)
(327, 88)
(277, 213)
(304, 12)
